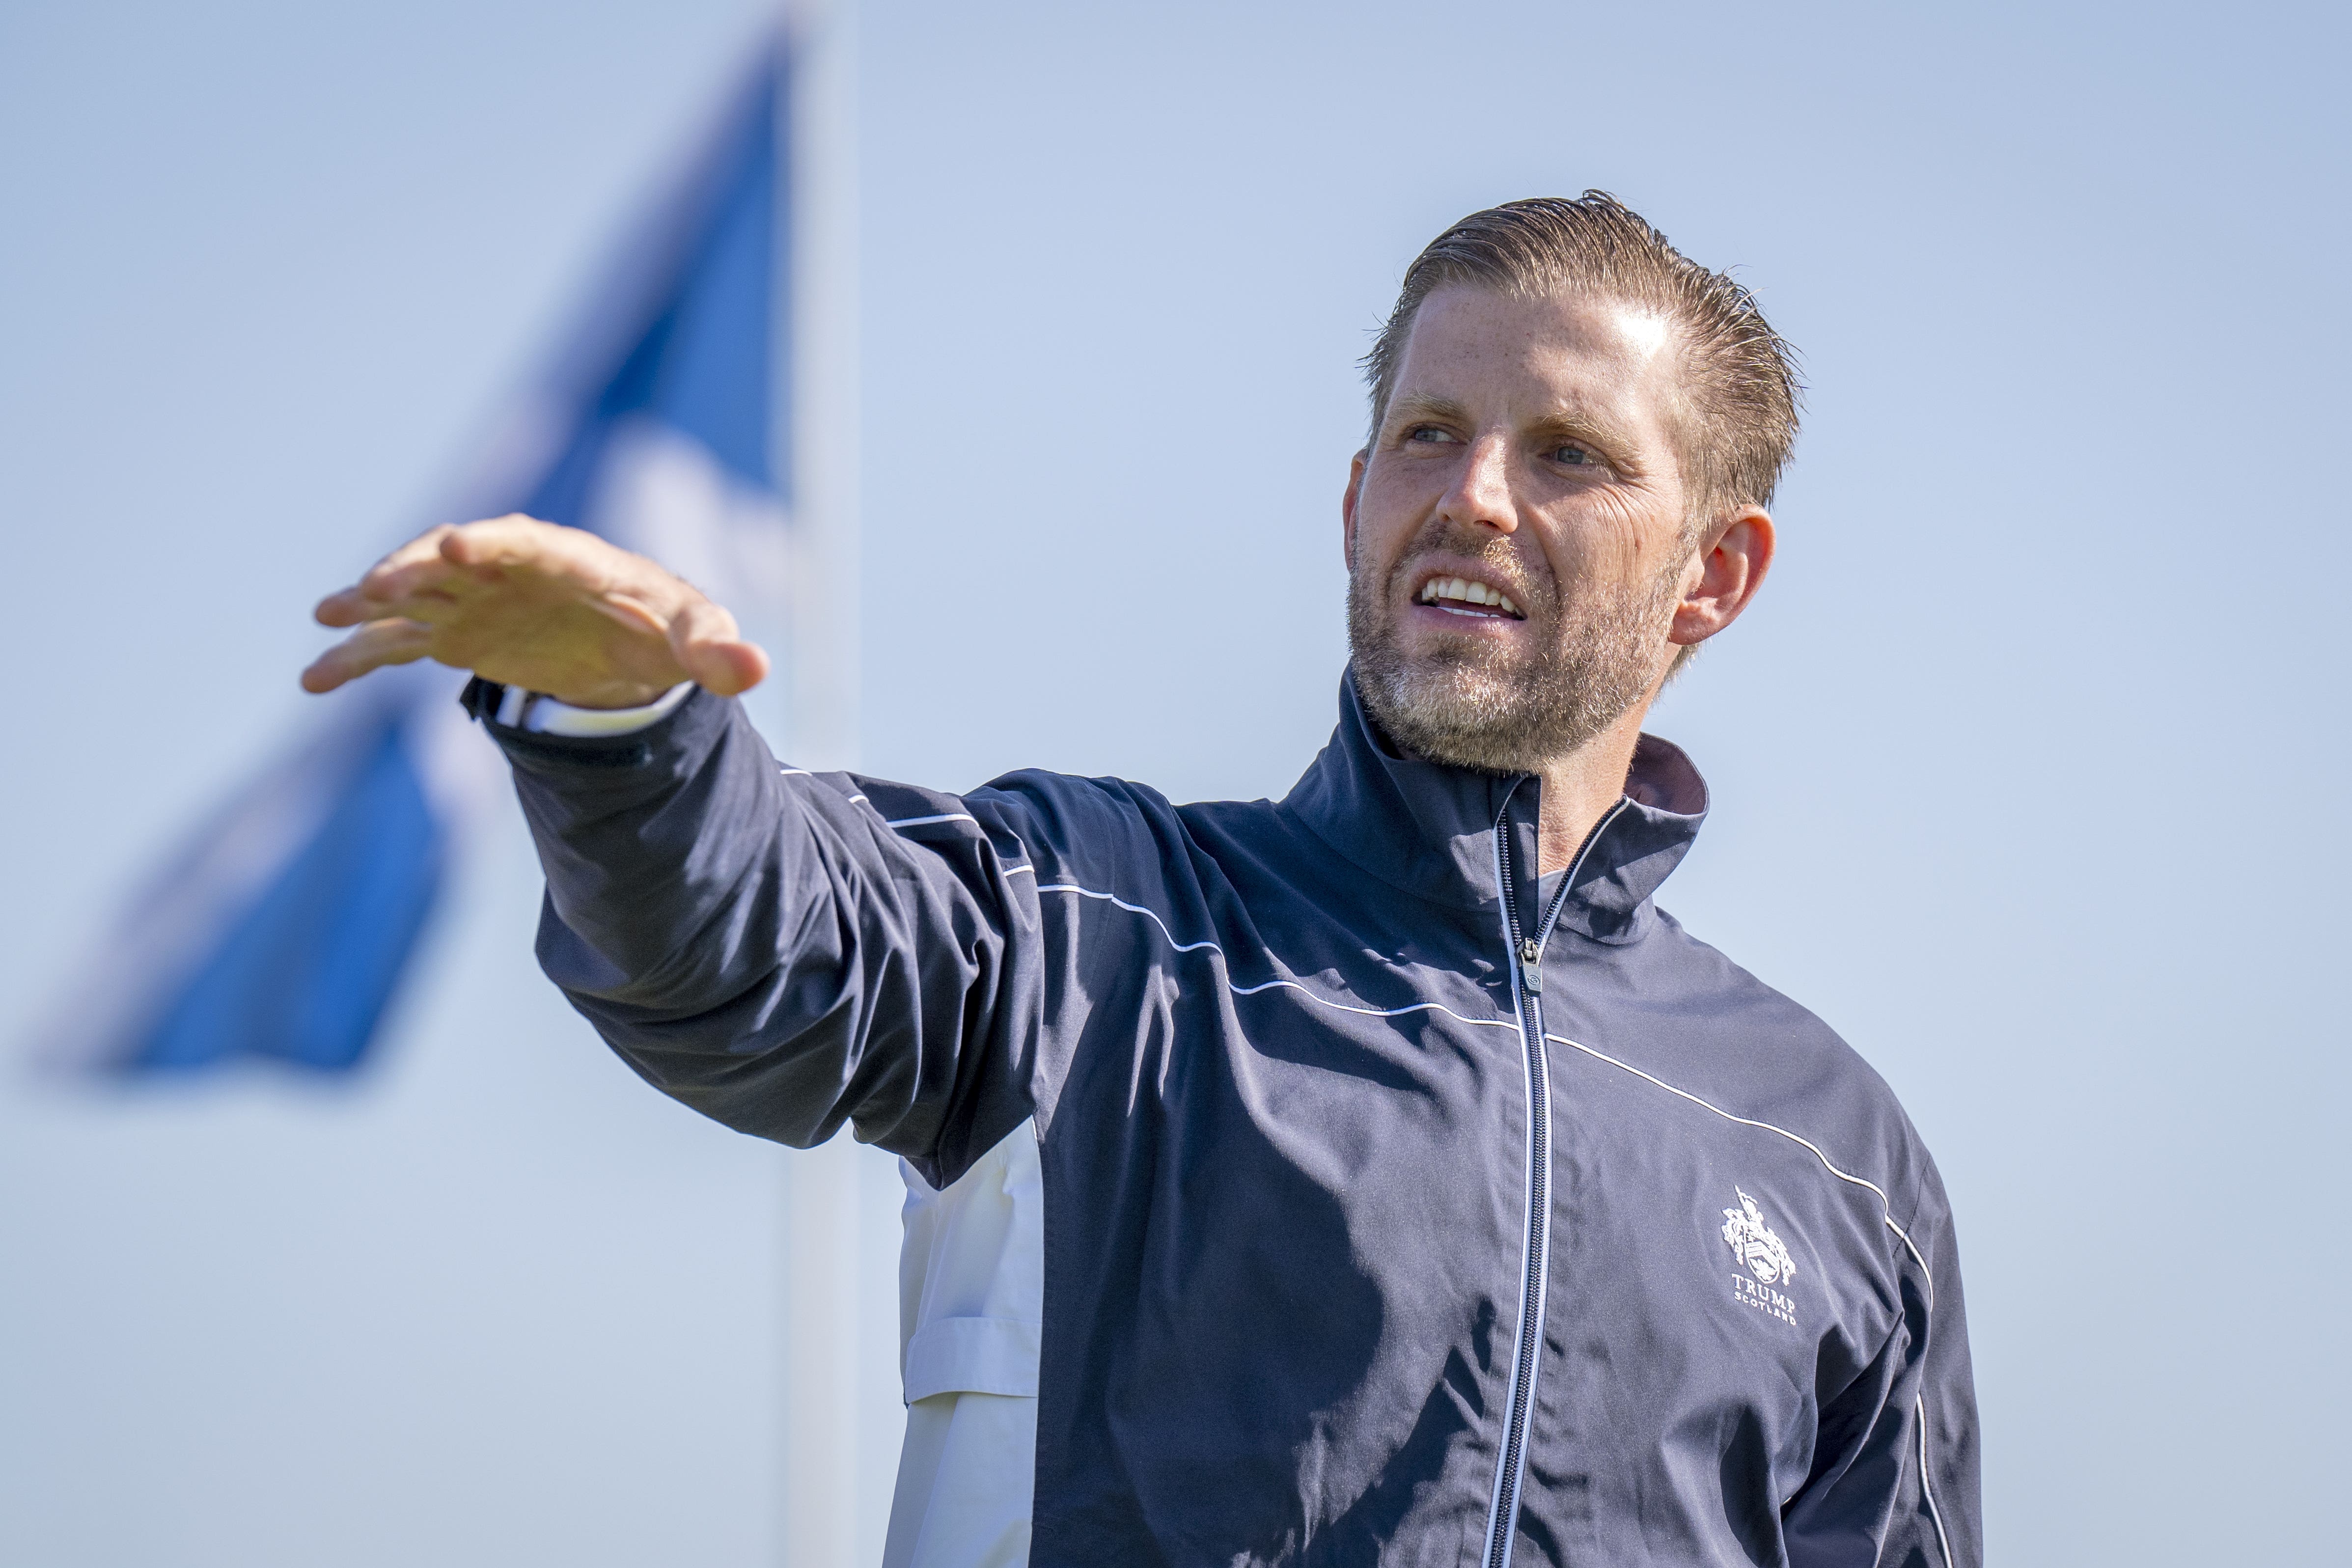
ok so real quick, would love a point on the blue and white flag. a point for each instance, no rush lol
(285, 926)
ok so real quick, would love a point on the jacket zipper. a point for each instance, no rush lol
(1526, 996)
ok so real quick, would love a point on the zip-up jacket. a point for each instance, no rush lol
(1401, 1206)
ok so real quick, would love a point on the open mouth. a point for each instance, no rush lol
(1460, 596)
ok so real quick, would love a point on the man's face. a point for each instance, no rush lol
(1516, 530)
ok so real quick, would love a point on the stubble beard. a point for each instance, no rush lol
(1475, 706)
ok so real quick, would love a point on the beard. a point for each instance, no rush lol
(1471, 705)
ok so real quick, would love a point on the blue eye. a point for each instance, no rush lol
(1570, 455)
(1427, 433)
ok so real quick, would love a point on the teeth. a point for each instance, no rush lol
(1468, 592)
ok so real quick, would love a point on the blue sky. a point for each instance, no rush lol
(2028, 768)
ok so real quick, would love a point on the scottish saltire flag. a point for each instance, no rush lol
(285, 926)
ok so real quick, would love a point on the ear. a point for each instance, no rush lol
(1347, 506)
(1724, 576)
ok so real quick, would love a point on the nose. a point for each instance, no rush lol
(1481, 493)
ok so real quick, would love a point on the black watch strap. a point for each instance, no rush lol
(481, 700)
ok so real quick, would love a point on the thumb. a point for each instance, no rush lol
(709, 647)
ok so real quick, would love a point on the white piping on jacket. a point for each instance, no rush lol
(1919, 1409)
(1510, 1482)
(1138, 909)
(1919, 1403)
(1885, 1206)
(1886, 1209)
(912, 821)
(1179, 946)
(889, 821)
(1270, 985)
(1368, 1012)
(1568, 883)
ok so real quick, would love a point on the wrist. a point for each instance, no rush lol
(536, 713)
(610, 696)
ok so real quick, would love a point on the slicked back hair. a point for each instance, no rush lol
(1739, 377)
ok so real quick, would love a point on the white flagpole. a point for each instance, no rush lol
(821, 664)
(842, 1417)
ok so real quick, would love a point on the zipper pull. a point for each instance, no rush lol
(1532, 966)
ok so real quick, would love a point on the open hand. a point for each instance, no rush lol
(526, 603)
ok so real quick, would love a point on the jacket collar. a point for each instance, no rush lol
(1428, 829)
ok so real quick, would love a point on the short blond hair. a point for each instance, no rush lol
(1741, 376)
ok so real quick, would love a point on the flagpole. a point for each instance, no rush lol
(842, 1419)
(823, 367)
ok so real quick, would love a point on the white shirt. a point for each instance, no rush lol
(972, 1294)
(972, 1288)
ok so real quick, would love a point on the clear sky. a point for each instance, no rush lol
(2028, 768)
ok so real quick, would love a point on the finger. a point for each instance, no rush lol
(709, 646)
(416, 569)
(431, 575)
(427, 602)
(345, 607)
(728, 669)
(373, 647)
(424, 547)
(638, 592)
(497, 539)
(353, 605)
(515, 541)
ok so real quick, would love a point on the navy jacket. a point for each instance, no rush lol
(1398, 1209)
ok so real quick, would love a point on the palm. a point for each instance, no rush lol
(528, 603)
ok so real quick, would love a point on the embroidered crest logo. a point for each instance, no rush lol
(1752, 1242)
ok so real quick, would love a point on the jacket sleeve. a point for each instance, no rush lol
(784, 951)
(1894, 1481)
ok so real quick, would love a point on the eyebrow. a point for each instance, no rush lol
(1567, 420)
(1417, 405)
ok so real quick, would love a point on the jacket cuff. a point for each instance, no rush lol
(535, 728)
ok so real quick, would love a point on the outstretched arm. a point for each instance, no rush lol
(769, 948)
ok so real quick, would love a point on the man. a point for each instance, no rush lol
(1414, 1191)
